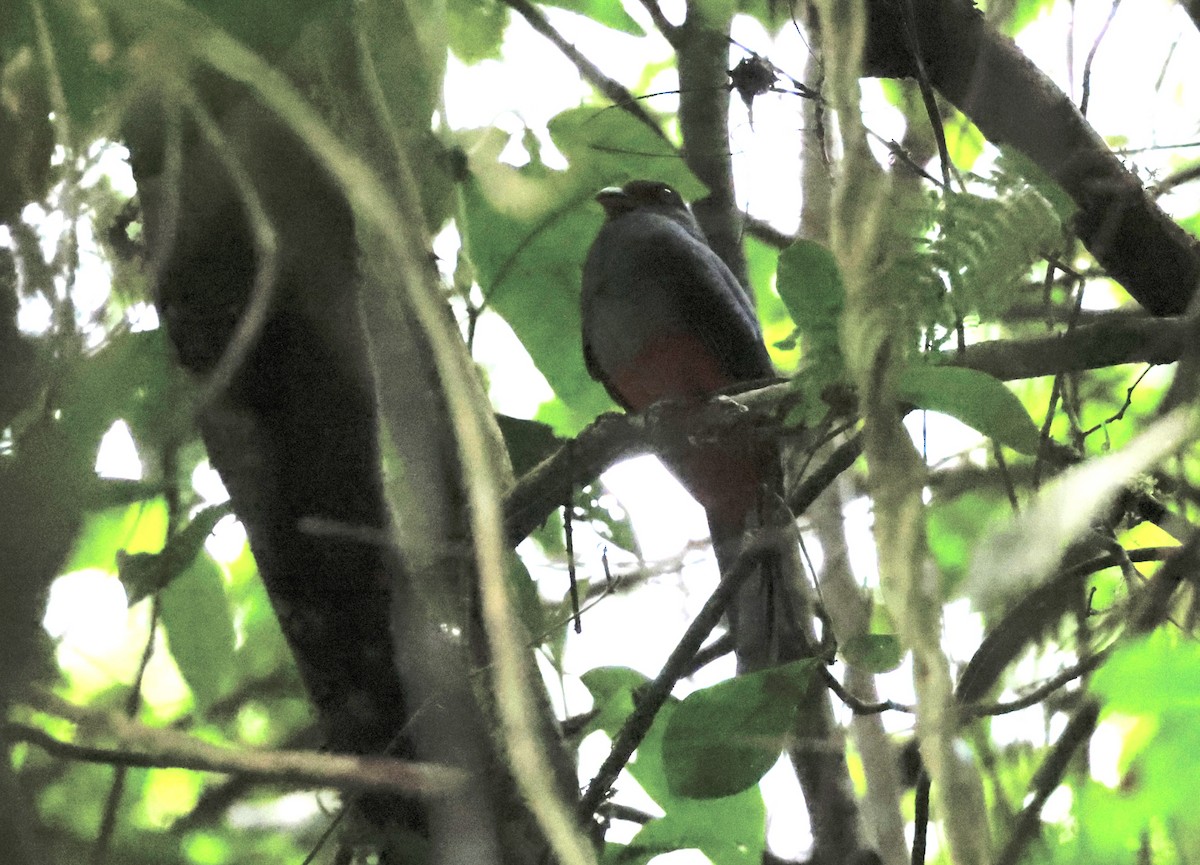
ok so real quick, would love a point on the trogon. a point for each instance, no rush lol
(665, 318)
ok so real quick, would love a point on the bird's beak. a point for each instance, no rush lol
(614, 200)
(610, 193)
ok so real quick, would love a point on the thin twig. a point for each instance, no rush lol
(148, 748)
(927, 98)
(1046, 780)
(652, 698)
(856, 705)
(816, 483)
(669, 31)
(1086, 88)
(133, 702)
(589, 71)
(1041, 692)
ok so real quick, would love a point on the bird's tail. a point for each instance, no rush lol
(768, 617)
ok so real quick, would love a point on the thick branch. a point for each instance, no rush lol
(1109, 343)
(613, 437)
(702, 47)
(1013, 102)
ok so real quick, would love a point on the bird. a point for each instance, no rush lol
(664, 318)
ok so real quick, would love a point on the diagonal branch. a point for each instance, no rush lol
(987, 77)
(652, 698)
(588, 70)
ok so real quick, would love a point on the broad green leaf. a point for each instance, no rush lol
(810, 284)
(529, 230)
(529, 604)
(729, 831)
(610, 13)
(1024, 12)
(723, 739)
(145, 573)
(762, 265)
(1158, 673)
(612, 691)
(770, 13)
(875, 653)
(975, 398)
(270, 28)
(1026, 548)
(713, 12)
(199, 628)
(132, 378)
(1157, 680)
(476, 28)
(407, 45)
(964, 141)
(136, 528)
(528, 442)
(954, 525)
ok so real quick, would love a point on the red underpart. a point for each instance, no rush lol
(724, 478)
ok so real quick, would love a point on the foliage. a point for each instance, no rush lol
(958, 263)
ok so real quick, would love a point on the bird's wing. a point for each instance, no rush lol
(645, 276)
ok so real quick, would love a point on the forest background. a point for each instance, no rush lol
(289, 365)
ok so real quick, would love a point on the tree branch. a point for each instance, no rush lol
(681, 660)
(1078, 730)
(150, 748)
(613, 437)
(987, 77)
(1109, 343)
(588, 70)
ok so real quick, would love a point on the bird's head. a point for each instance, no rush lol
(651, 195)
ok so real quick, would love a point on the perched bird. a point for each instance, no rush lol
(665, 318)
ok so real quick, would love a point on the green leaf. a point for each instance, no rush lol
(770, 13)
(810, 284)
(131, 378)
(1152, 675)
(612, 690)
(729, 830)
(476, 28)
(875, 653)
(528, 441)
(269, 28)
(610, 13)
(199, 628)
(1157, 679)
(1013, 164)
(954, 525)
(132, 529)
(975, 398)
(529, 604)
(713, 12)
(1024, 13)
(1022, 551)
(529, 230)
(723, 739)
(407, 45)
(964, 141)
(145, 573)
